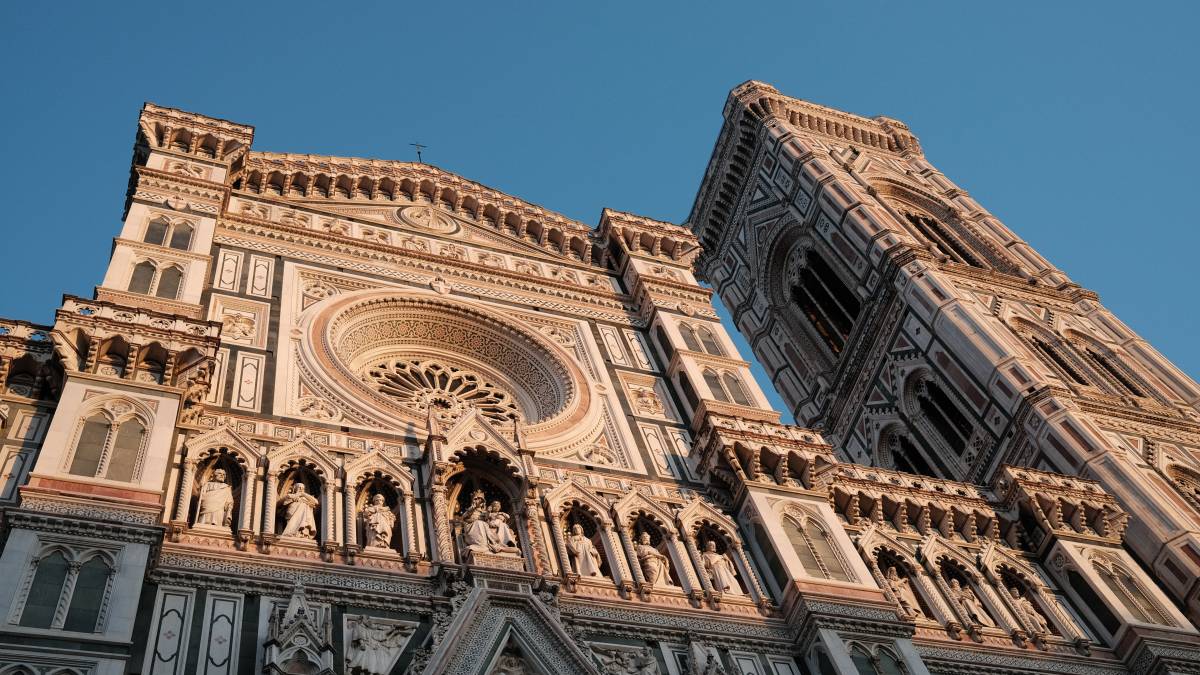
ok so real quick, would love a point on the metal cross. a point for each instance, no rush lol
(419, 148)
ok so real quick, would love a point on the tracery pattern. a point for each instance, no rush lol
(448, 390)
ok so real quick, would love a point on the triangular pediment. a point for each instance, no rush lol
(493, 624)
(473, 430)
(222, 437)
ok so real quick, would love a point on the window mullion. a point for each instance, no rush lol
(64, 596)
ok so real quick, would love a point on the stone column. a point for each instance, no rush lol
(441, 525)
(687, 572)
(246, 507)
(537, 547)
(329, 507)
(627, 544)
(411, 547)
(750, 577)
(271, 489)
(617, 563)
(184, 500)
(68, 589)
(689, 543)
(351, 509)
(560, 543)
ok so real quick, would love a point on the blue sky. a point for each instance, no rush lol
(1071, 121)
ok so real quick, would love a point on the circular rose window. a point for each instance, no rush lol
(388, 359)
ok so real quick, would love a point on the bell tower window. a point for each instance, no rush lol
(828, 304)
(945, 241)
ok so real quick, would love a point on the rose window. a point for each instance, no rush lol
(446, 390)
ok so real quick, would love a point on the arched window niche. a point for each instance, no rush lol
(381, 519)
(488, 519)
(902, 578)
(717, 548)
(218, 497)
(967, 597)
(588, 551)
(828, 304)
(301, 507)
(1027, 602)
(655, 555)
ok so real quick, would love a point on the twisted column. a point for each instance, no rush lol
(272, 493)
(351, 509)
(560, 543)
(441, 524)
(184, 498)
(410, 516)
(752, 581)
(689, 543)
(246, 507)
(627, 544)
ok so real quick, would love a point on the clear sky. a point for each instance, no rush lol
(1071, 121)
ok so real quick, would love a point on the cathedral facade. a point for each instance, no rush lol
(331, 415)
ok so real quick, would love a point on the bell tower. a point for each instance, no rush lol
(919, 333)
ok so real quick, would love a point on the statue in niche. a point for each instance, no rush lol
(215, 507)
(584, 553)
(655, 566)
(378, 522)
(475, 525)
(902, 590)
(966, 600)
(500, 537)
(1024, 607)
(720, 570)
(299, 507)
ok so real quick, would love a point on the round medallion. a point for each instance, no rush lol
(427, 218)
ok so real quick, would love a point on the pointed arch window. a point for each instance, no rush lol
(41, 603)
(62, 582)
(829, 305)
(108, 449)
(944, 416)
(1116, 373)
(90, 446)
(1054, 355)
(690, 339)
(710, 343)
(713, 381)
(142, 278)
(1130, 593)
(948, 243)
(815, 549)
(149, 279)
(726, 387)
(736, 391)
(162, 232)
(908, 458)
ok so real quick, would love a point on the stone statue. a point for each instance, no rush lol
(965, 598)
(1025, 607)
(584, 553)
(299, 507)
(655, 566)
(193, 397)
(901, 588)
(215, 506)
(475, 525)
(378, 522)
(720, 570)
(374, 645)
(501, 538)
